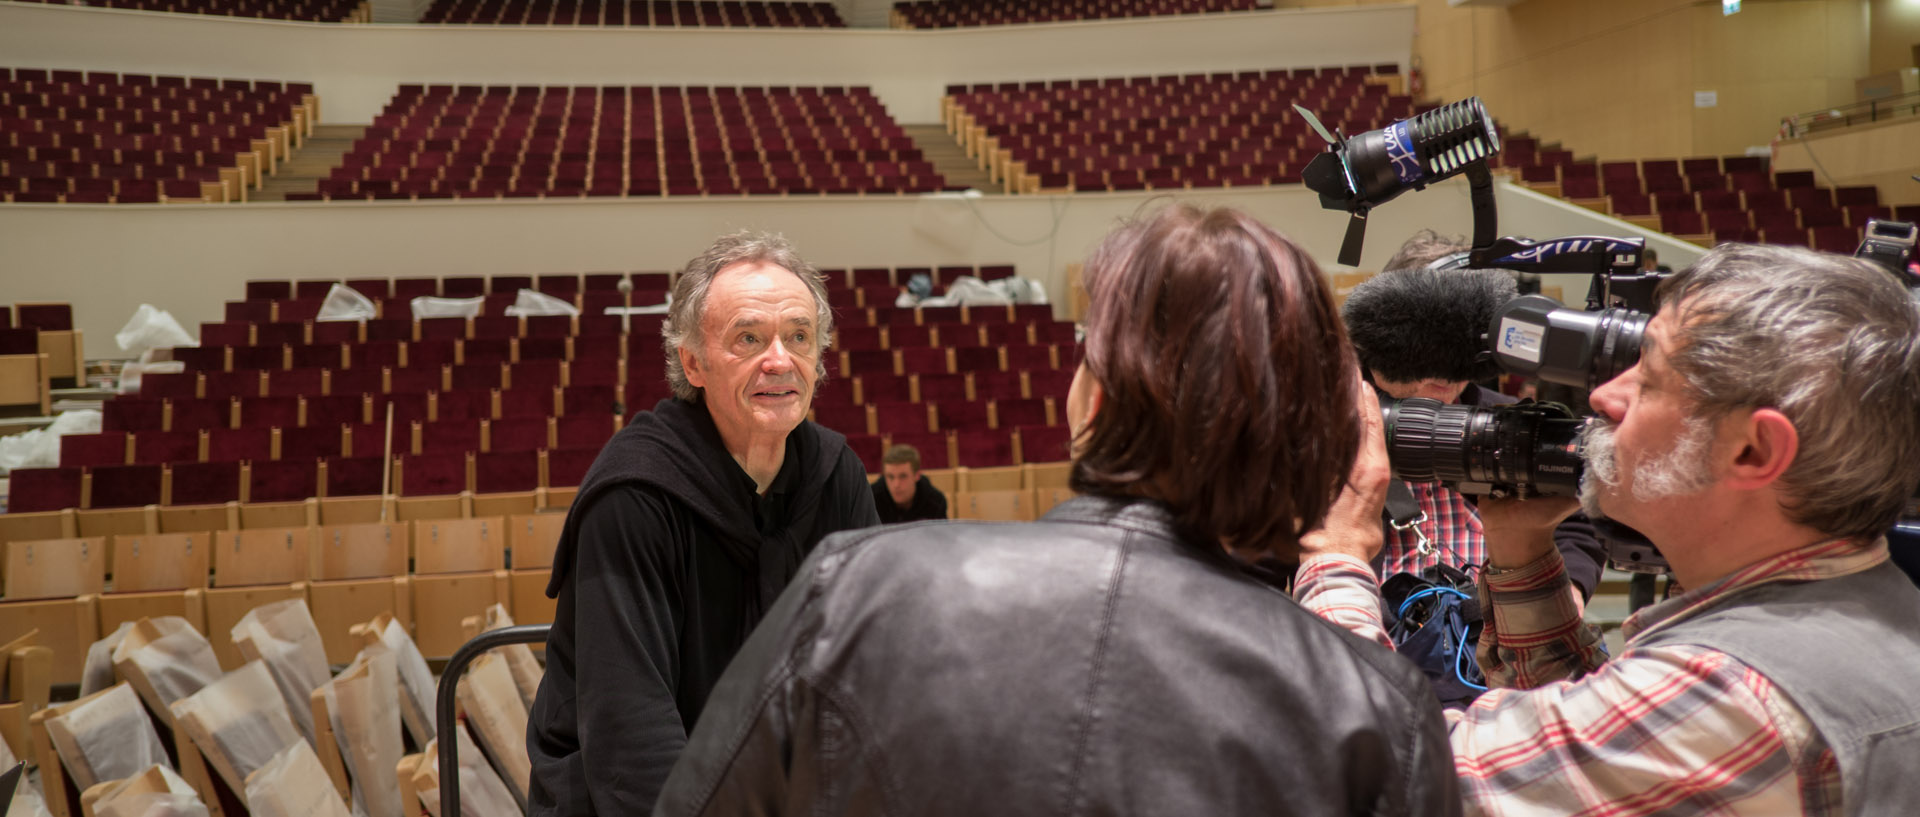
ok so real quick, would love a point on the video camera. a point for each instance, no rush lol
(1524, 450)
(1528, 449)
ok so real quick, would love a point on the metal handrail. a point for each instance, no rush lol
(1872, 110)
(446, 704)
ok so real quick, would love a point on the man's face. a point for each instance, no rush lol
(1646, 449)
(758, 353)
(901, 480)
(1445, 391)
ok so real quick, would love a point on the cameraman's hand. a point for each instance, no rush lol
(1353, 526)
(1520, 531)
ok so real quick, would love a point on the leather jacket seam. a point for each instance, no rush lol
(1076, 793)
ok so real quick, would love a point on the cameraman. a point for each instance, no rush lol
(1764, 441)
(1418, 332)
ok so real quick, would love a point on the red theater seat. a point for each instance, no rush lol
(282, 480)
(124, 486)
(203, 483)
(86, 450)
(43, 489)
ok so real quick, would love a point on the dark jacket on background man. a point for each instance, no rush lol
(1091, 663)
(928, 503)
(668, 560)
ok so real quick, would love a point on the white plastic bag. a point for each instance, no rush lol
(40, 447)
(1019, 290)
(283, 635)
(239, 722)
(293, 784)
(416, 681)
(98, 672)
(970, 291)
(366, 724)
(345, 304)
(427, 306)
(531, 302)
(165, 659)
(153, 805)
(482, 794)
(105, 737)
(131, 373)
(152, 328)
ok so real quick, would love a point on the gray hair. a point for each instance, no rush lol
(1425, 247)
(1831, 342)
(685, 316)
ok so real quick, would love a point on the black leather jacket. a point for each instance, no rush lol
(1090, 663)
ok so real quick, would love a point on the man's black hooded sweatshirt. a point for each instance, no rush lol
(668, 559)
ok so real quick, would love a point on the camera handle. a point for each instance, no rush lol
(1486, 213)
(1486, 217)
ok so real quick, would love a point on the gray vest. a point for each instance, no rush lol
(1847, 651)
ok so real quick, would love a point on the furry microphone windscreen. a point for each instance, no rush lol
(1411, 324)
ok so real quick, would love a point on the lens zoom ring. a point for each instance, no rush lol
(1410, 440)
(1450, 442)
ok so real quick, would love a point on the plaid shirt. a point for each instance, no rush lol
(1452, 525)
(1672, 730)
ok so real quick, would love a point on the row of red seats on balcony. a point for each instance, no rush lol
(635, 13)
(951, 13)
(318, 11)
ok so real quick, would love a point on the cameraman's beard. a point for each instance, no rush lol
(1685, 469)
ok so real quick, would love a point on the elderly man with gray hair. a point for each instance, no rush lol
(1765, 442)
(687, 527)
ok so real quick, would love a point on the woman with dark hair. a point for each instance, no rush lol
(1120, 655)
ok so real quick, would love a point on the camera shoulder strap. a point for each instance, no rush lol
(1403, 513)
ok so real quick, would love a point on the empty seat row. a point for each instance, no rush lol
(315, 11)
(93, 137)
(290, 480)
(559, 284)
(182, 414)
(1731, 198)
(979, 448)
(749, 14)
(448, 472)
(316, 382)
(490, 141)
(419, 354)
(1200, 130)
(954, 13)
(248, 333)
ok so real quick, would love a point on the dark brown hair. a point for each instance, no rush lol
(1226, 375)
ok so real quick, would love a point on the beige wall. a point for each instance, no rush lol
(355, 69)
(1884, 155)
(189, 259)
(1617, 79)
(1773, 60)
(1895, 34)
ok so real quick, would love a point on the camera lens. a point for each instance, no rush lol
(1521, 450)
